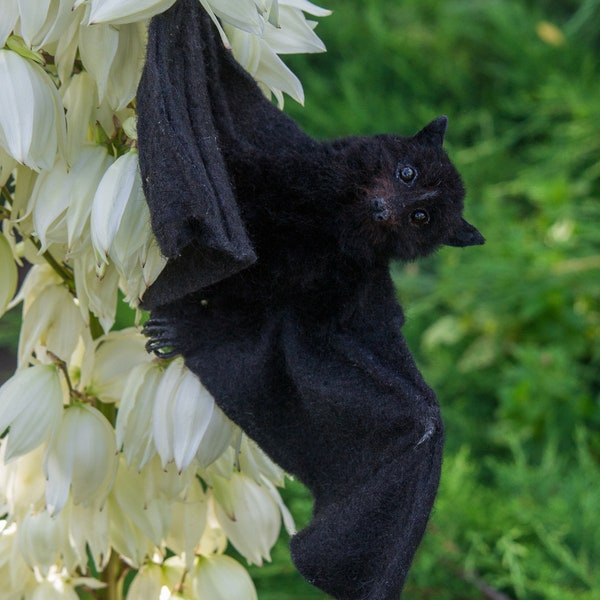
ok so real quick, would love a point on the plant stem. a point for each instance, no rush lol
(110, 576)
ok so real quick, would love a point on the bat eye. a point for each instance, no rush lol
(419, 217)
(407, 173)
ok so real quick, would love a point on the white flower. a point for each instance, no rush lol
(31, 404)
(113, 55)
(32, 122)
(222, 578)
(8, 18)
(134, 419)
(125, 11)
(22, 482)
(188, 523)
(117, 353)
(118, 198)
(54, 590)
(183, 413)
(41, 540)
(87, 528)
(8, 274)
(137, 523)
(16, 576)
(82, 458)
(147, 584)
(43, 21)
(248, 514)
(7, 164)
(52, 322)
(96, 291)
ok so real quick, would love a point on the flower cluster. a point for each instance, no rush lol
(112, 460)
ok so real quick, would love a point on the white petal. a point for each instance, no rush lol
(126, 11)
(241, 14)
(98, 46)
(49, 203)
(222, 578)
(150, 516)
(8, 18)
(33, 15)
(134, 419)
(294, 36)
(66, 48)
(88, 530)
(188, 523)
(82, 456)
(41, 539)
(219, 434)
(126, 68)
(52, 321)
(22, 482)
(115, 190)
(307, 7)
(96, 293)
(8, 274)
(249, 516)
(133, 230)
(79, 98)
(32, 124)
(147, 583)
(193, 408)
(83, 180)
(31, 403)
(117, 353)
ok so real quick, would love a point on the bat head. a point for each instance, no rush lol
(412, 201)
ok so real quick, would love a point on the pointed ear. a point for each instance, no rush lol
(465, 235)
(435, 131)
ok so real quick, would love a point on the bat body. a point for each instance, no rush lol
(277, 294)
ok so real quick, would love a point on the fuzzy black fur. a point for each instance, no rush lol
(278, 294)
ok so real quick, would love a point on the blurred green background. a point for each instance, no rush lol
(508, 333)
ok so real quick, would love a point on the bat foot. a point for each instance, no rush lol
(379, 209)
(162, 340)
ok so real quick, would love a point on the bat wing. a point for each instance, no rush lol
(199, 113)
(342, 407)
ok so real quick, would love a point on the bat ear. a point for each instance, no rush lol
(465, 235)
(435, 131)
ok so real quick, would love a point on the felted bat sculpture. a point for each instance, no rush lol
(278, 295)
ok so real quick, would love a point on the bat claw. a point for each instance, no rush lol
(161, 342)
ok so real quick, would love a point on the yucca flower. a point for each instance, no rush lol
(31, 405)
(182, 416)
(32, 122)
(81, 459)
(220, 577)
(248, 514)
(74, 490)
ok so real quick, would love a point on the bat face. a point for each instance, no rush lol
(412, 201)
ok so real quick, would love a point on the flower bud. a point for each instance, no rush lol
(220, 577)
(248, 514)
(32, 122)
(31, 404)
(82, 458)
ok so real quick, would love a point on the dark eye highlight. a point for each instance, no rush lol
(406, 173)
(419, 217)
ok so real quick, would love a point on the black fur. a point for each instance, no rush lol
(278, 295)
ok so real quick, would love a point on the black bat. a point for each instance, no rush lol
(278, 295)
